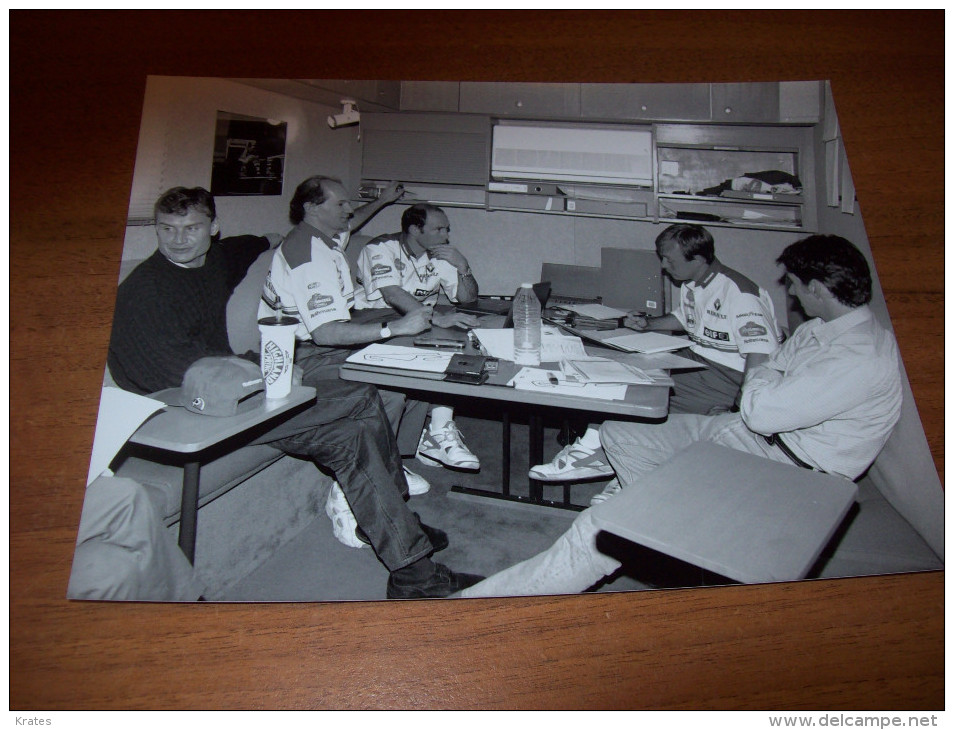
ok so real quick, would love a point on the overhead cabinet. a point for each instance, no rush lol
(753, 177)
(646, 102)
(452, 149)
(725, 175)
(523, 100)
(733, 103)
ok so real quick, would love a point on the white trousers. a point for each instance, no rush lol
(573, 563)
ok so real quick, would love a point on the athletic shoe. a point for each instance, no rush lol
(446, 446)
(610, 490)
(416, 484)
(342, 519)
(574, 463)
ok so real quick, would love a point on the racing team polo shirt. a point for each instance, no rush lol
(387, 261)
(309, 279)
(727, 316)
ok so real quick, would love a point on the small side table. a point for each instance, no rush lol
(178, 430)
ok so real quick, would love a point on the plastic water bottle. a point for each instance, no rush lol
(526, 326)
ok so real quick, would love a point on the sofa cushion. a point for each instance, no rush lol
(163, 481)
(242, 310)
(875, 539)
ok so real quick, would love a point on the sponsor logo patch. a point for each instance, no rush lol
(380, 270)
(751, 329)
(318, 301)
(715, 334)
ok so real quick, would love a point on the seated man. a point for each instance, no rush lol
(826, 400)
(171, 311)
(731, 323)
(407, 271)
(310, 279)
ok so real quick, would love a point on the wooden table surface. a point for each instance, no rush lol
(76, 91)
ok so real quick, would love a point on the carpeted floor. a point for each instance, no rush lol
(485, 535)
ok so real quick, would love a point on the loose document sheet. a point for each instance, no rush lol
(554, 346)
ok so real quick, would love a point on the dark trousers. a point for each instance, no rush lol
(698, 391)
(347, 431)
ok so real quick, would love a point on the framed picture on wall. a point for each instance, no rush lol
(249, 155)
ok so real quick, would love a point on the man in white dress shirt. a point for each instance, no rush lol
(826, 400)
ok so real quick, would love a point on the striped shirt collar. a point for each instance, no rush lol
(315, 233)
(708, 274)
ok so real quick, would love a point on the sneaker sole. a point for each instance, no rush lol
(569, 477)
(433, 461)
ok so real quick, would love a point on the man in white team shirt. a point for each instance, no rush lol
(729, 319)
(310, 279)
(407, 271)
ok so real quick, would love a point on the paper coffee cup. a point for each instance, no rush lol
(278, 354)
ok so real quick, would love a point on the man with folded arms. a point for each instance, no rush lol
(171, 311)
(407, 272)
(826, 400)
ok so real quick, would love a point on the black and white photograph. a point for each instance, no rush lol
(478, 359)
(456, 340)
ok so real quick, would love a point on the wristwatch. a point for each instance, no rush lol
(385, 331)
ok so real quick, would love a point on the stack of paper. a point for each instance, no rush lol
(603, 370)
(593, 316)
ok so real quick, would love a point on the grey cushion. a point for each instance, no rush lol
(164, 481)
(875, 539)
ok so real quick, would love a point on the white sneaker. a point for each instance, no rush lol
(342, 519)
(446, 446)
(575, 462)
(610, 490)
(416, 484)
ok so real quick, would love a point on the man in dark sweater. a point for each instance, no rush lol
(171, 311)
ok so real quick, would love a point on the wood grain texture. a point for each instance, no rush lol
(76, 91)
